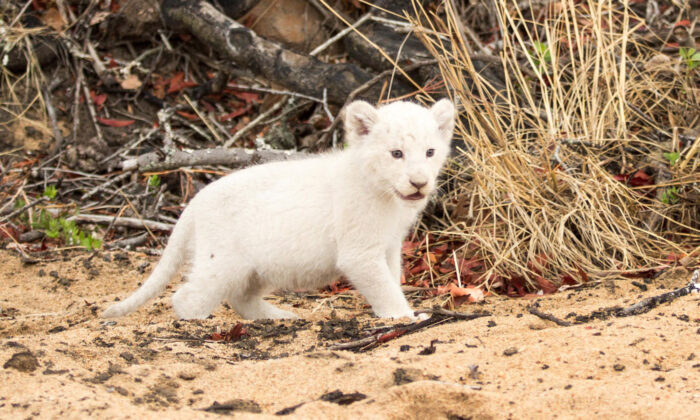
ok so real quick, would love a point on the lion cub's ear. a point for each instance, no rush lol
(444, 113)
(359, 118)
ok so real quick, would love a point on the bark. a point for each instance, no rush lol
(411, 49)
(297, 72)
(235, 158)
(235, 8)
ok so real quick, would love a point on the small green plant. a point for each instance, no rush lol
(670, 196)
(690, 56)
(153, 181)
(19, 203)
(672, 157)
(540, 56)
(50, 192)
(59, 227)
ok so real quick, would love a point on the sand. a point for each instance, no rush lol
(61, 360)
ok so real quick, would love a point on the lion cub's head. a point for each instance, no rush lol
(403, 144)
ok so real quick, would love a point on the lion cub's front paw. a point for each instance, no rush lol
(421, 317)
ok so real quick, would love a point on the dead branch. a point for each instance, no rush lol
(548, 317)
(650, 303)
(297, 72)
(131, 222)
(439, 316)
(235, 158)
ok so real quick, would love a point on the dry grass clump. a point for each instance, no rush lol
(563, 173)
(21, 102)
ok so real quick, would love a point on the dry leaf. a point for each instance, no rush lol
(53, 19)
(99, 17)
(115, 123)
(131, 83)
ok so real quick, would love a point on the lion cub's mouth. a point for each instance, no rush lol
(413, 197)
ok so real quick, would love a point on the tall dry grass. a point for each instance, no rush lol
(536, 194)
(21, 102)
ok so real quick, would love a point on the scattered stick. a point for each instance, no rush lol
(131, 222)
(548, 317)
(237, 157)
(260, 118)
(23, 209)
(103, 187)
(638, 308)
(650, 303)
(51, 111)
(439, 316)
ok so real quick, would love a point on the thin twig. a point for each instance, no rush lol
(105, 185)
(231, 141)
(23, 209)
(58, 137)
(340, 35)
(549, 317)
(439, 316)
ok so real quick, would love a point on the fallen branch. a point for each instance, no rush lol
(238, 157)
(131, 222)
(638, 308)
(439, 316)
(297, 72)
(129, 243)
(549, 317)
(650, 303)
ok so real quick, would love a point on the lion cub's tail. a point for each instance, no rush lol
(173, 257)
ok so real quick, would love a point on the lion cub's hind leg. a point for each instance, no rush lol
(207, 285)
(248, 302)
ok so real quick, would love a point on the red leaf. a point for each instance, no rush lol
(640, 178)
(247, 97)
(233, 115)
(235, 333)
(177, 83)
(473, 294)
(215, 337)
(115, 123)
(546, 285)
(518, 284)
(98, 100)
(390, 335)
(188, 115)
(684, 22)
(410, 248)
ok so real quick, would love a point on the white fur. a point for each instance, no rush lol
(303, 224)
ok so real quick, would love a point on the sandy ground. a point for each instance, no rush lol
(73, 364)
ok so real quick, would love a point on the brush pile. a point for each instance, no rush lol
(577, 151)
(584, 161)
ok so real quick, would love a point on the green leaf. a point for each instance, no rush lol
(670, 196)
(154, 181)
(50, 192)
(672, 157)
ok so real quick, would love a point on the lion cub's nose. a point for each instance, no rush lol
(418, 185)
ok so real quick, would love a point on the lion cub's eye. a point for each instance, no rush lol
(430, 152)
(397, 154)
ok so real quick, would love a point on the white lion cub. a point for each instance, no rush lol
(305, 223)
